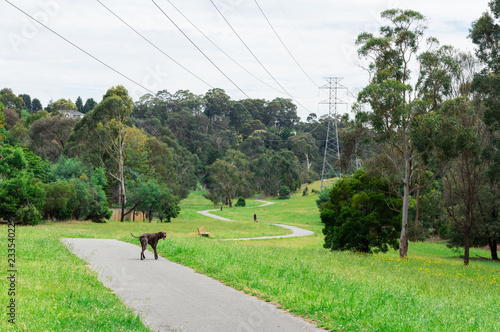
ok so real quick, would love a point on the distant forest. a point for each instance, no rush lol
(169, 141)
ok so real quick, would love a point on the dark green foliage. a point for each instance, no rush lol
(88, 183)
(154, 199)
(284, 192)
(357, 216)
(90, 104)
(305, 191)
(3, 132)
(275, 169)
(36, 105)
(60, 200)
(323, 198)
(169, 205)
(79, 104)
(10, 100)
(430, 213)
(485, 33)
(241, 202)
(48, 136)
(91, 200)
(20, 199)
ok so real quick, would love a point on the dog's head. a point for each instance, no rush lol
(162, 235)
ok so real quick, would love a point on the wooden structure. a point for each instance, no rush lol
(201, 231)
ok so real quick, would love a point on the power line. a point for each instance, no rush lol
(282, 43)
(199, 49)
(168, 56)
(78, 47)
(257, 59)
(220, 49)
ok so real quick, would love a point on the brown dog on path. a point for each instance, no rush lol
(151, 239)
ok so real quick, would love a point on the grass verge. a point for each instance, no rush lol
(431, 291)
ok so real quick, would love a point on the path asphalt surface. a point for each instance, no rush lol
(296, 231)
(172, 297)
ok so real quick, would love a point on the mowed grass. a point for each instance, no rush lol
(431, 291)
(55, 291)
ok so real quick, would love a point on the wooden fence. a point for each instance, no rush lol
(129, 217)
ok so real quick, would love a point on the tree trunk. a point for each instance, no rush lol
(493, 243)
(150, 214)
(417, 211)
(466, 246)
(121, 177)
(122, 201)
(403, 239)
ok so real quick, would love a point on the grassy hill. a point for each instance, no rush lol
(431, 291)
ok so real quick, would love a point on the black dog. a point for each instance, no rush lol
(152, 239)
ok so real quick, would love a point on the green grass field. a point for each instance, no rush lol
(431, 291)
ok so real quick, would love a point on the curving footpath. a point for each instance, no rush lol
(296, 231)
(172, 297)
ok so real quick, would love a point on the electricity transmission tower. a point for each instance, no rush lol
(332, 146)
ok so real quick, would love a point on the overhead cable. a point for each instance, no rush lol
(78, 47)
(220, 49)
(256, 58)
(152, 44)
(282, 43)
(199, 49)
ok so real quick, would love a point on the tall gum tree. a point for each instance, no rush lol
(396, 101)
(485, 34)
(99, 137)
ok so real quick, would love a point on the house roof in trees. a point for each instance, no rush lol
(71, 114)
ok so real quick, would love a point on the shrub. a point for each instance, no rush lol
(323, 197)
(241, 202)
(305, 191)
(357, 216)
(284, 192)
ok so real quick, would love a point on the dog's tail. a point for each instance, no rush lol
(137, 237)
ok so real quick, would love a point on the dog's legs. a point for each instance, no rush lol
(156, 254)
(144, 244)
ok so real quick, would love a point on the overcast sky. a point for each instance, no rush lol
(320, 35)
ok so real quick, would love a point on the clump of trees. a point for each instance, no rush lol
(432, 140)
(21, 199)
(361, 214)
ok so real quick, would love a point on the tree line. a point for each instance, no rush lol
(154, 151)
(430, 121)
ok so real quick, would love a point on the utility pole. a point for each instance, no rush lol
(332, 146)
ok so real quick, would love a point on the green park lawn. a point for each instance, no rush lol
(344, 291)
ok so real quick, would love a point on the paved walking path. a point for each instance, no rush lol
(172, 297)
(296, 231)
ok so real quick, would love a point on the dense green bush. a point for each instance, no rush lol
(20, 199)
(241, 202)
(284, 192)
(89, 201)
(357, 216)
